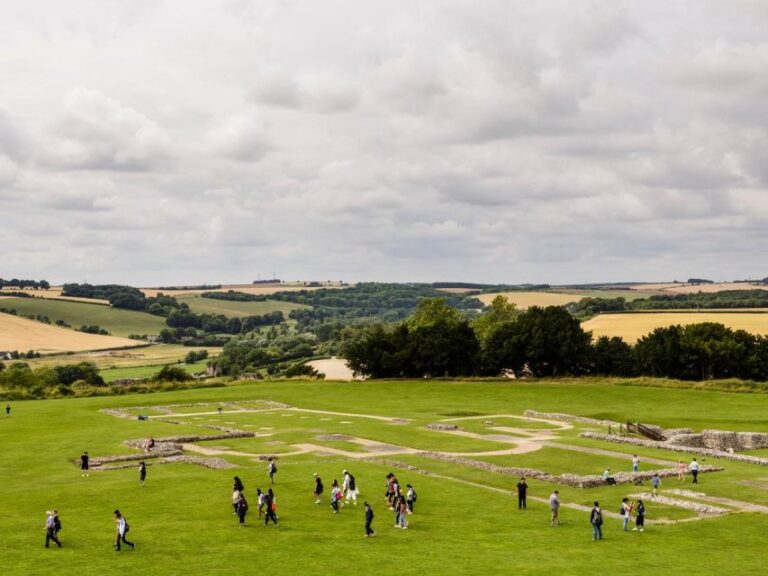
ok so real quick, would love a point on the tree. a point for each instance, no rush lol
(445, 348)
(613, 357)
(542, 341)
(500, 311)
(172, 374)
(380, 351)
(432, 311)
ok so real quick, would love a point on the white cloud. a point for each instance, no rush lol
(548, 141)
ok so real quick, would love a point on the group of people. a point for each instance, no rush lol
(266, 502)
(53, 527)
(347, 491)
(625, 510)
(682, 468)
(400, 500)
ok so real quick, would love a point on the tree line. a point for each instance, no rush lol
(437, 341)
(22, 283)
(727, 299)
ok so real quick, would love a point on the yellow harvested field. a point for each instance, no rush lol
(527, 299)
(633, 326)
(53, 293)
(155, 354)
(258, 289)
(680, 288)
(334, 369)
(22, 334)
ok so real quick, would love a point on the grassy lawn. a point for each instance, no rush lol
(116, 321)
(466, 519)
(233, 309)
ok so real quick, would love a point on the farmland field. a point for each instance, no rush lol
(632, 326)
(154, 355)
(116, 321)
(233, 309)
(683, 288)
(259, 289)
(466, 519)
(525, 300)
(111, 374)
(22, 334)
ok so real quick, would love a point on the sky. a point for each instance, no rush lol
(570, 141)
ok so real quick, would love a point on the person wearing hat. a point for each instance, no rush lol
(368, 519)
(350, 487)
(318, 489)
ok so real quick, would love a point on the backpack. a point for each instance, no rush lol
(597, 517)
(413, 495)
(126, 527)
(621, 510)
(56, 524)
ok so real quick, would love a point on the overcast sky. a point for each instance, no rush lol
(184, 141)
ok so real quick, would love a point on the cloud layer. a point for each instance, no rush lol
(170, 142)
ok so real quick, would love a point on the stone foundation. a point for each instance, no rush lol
(442, 427)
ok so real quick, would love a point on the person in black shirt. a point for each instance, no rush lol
(522, 492)
(142, 473)
(84, 464)
(269, 501)
(368, 519)
(318, 489)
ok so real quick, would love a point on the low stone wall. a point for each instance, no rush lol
(189, 438)
(572, 480)
(568, 418)
(722, 440)
(676, 448)
(677, 503)
(213, 463)
(442, 427)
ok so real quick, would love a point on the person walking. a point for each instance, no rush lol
(51, 533)
(640, 516)
(142, 473)
(554, 508)
(350, 487)
(655, 483)
(237, 489)
(635, 463)
(402, 507)
(261, 500)
(522, 493)
(272, 470)
(122, 529)
(694, 468)
(7, 409)
(368, 519)
(626, 513)
(318, 493)
(410, 498)
(241, 508)
(680, 470)
(85, 464)
(271, 506)
(336, 495)
(596, 519)
(235, 499)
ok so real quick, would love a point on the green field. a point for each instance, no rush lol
(112, 374)
(233, 309)
(466, 519)
(116, 321)
(154, 355)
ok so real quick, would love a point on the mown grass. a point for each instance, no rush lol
(182, 521)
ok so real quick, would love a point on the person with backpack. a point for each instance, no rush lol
(319, 488)
(336, 495)
(640, 516)
(626, 513)
(350, 487)
(51, 532)
(241, 508)
(596, 519)
(522, 494)
(142, 473)
(368, 519)
(410, 498)
(272, 469)
(271, 507)
(122, 529)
